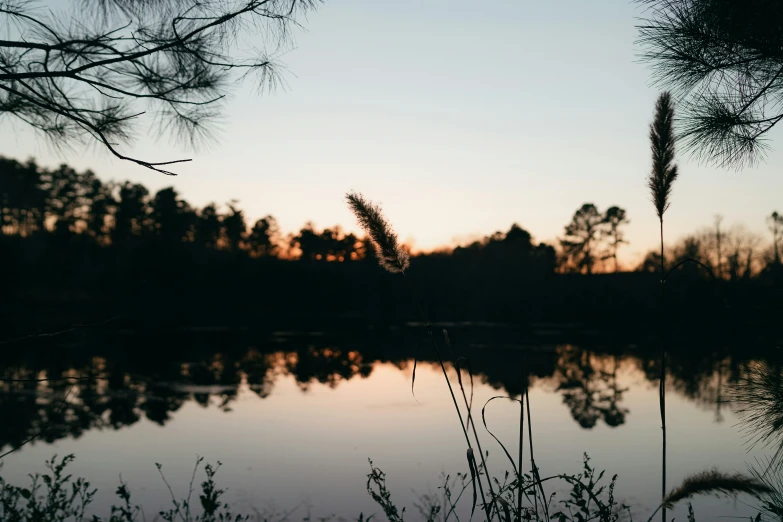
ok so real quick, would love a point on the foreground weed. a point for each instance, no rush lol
(55, 496)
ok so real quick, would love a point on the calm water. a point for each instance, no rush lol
(294, 417)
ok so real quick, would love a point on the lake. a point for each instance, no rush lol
(294, 416)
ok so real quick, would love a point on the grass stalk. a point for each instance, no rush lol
(427, 324)
(521, 446)
(536, 475)
(471, 422)
(660, 182)
(662, 389)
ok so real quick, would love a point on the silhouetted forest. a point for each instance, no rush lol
(76, 249)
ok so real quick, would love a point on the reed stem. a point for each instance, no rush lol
(536, 475)
(448, 383)
(662, 390)
(521, 445)
(472, 423)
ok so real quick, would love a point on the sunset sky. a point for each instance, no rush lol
(459, 117)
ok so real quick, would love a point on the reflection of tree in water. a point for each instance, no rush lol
(261, 370)
(101, 397)
(219, 376)
(325, 365)
(589, 386)
(503, 369)
(154, 382)
(702, 377)
(614, 415)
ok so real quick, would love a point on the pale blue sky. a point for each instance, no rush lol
(459, 117)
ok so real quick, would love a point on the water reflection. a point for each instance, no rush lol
(109, 380)
(588, 384)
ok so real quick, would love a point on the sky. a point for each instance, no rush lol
(459, 117)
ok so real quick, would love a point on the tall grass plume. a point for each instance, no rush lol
(662, 140)
(714, 482)
(391, 256)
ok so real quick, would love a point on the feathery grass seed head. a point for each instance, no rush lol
(664, 170)
(715, 482)
(391, 256)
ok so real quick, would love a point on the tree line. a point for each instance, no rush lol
(117, 248)
(61, 202)
(727, 253)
